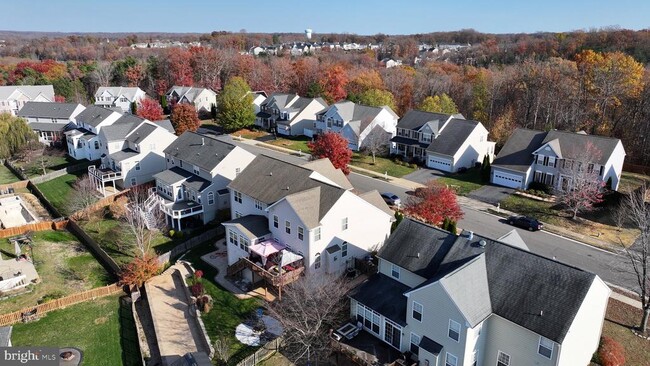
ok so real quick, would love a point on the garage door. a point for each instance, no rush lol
(440, 164)
(506, 180)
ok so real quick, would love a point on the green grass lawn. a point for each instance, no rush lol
(63, 265)
(381, 165)
(463, 183)
(34, 167)
(6, 176)
(101, 328)
(631, 181)
(59, 190)
(297, 143)
(228, 310)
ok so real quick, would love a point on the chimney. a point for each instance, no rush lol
(202, 141)
(470, 236)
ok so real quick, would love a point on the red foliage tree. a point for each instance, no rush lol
(184, 118)
(610, 352)
(138, 271)
(179, 67)
(150, 109)
(334, 82)
(333, 146)
(433, 204)
(134, 74)
(59, 99)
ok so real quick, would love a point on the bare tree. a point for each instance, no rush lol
(103, 73)
(142, 222)
(85, 194)
(637, 210)
(223, 349)
(376, 143)
(581, 186)
(309, 308)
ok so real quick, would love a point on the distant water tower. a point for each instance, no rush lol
(308, 33)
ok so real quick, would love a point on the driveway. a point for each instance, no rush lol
(423, 175)
(491, 194)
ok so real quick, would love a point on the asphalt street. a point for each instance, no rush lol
(613, 268)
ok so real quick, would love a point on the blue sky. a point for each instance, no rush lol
(337, 16)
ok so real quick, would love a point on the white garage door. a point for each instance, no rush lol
(506, 180)
(438, 163)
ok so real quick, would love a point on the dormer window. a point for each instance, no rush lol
(426, 137)
(196, 170)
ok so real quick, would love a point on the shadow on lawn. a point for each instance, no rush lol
(128, 334)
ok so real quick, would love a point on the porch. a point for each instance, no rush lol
(176, 212)
(409, 149)
(102, 175)
(366, 349)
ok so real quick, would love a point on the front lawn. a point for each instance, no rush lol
(251, 134)
(297, 143)
(101, 328)
(6, 176)
(381, 165)
(619, 320)
(63, 264)
(463, 183)
(586, 226)
(59, 191)
(631, 181)
(228, 311)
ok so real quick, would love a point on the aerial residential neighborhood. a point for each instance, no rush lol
(359, 183)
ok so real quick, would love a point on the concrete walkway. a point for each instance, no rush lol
(175, 323)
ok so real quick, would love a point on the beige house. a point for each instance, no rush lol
(464, 299)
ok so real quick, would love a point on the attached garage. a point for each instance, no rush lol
(506, 179)
(436, 162)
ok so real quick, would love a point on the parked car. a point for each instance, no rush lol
(391, 199)
(525, 222)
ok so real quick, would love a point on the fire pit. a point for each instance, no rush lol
(67, 356)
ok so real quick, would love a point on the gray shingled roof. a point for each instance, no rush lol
(253, 226)
(325, 168)
(517, 153)
(188, 92)
(351, 111)
(430, 345)
(197, 183)
(43, 126)
(173, 175)
(5, 336)
(32, 91)
(48, 110)
(141, 133)
(94, 115)
(383, 295)
(268, 180)
(452, 137)
(414, 120)
(200, 150)
(129, 118)
(553, 289)
(117, 131)
(573, 144)
(166, 124)
(374, 198)
(123, 154)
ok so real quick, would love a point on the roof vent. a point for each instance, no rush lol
(482, 243)
(287, 188)
(541, 313)
(202, 141)
(470, 235)
(418, 255)
(270, 174)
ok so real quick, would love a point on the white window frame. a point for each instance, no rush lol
(258, 205)
(417, 343)
(137, 165)
(548, 347)
(414, 311)
(301, 233)
(448, 358)
(317, 234)
(287, 227)
(395, 271)
(499, 362)
(276, 221)
(317, 261)
(344, 224)
(344, 249)
(196, 170)
(237, 196)
(453, 324)
(210, 198)
(233, 238)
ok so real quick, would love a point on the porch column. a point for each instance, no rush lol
(179, 224)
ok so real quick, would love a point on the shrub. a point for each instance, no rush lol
(118, 208)
(451, 227)
(197, 289)
(172, 233)
(413, 166)
(610, 352)
(198, 274)
(138, 271)
(178, 235)
(538, 186)
(51, 296)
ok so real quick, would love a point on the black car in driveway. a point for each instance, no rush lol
(525, 222)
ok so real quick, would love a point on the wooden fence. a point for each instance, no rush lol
(17, 172)
(16, 316)
(189, 244)
(37, 226)
(261, 354)
(104, 259)
(4, 188)
(54, 212)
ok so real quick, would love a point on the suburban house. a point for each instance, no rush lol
(289, 114)
(49, 119)
(548, 157)
(288, 218)
(444, 142)
(201, 98)
(258, 98)
(467, 300)
(83, 141)
(118, 97)
(14, 97)
(359, 124)
(131, 153)
(192, 188)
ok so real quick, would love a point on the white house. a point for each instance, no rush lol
(358, 123)
(444, 142)
(258, 98)
(201, 98)
(118, 97)
(287, 217)
(131, 153)
(49, 119)
(14, 97)
(467, 300)
(289, 114)
(192, 190)
(83, 142)
(547, 157)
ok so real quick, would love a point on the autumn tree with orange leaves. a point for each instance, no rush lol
(150, 109)
(334, 81)
(333, 146)
(184, 118)
(433, 204)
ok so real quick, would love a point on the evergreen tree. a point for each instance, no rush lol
(134, 108)
(235, 105)
(163, 103)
